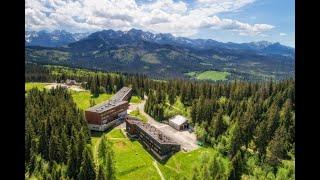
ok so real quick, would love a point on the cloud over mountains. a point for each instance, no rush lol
(162, 16)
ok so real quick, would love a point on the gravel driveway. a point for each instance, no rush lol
(187, 140)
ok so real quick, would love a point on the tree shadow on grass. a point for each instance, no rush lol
(128, 171)
(162, 162)
(99, 133)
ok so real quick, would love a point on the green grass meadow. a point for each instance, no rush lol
(209, 75)
(28, 86)
(132, 161)
(135, 99)
(137, 114)
(82, 99)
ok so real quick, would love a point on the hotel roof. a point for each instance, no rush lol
(116, 100)
(121, 94)
(105, 106)
(152, 131)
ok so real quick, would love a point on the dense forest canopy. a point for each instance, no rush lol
(57, 139)
(251, 124)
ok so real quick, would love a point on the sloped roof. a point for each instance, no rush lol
(116, 100)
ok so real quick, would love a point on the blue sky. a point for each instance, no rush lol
(279, 13)
(222, 20)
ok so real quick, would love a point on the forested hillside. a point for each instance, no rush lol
(57, 139)
(163, 55)
(252, 125)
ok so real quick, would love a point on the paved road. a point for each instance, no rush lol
(188, 141)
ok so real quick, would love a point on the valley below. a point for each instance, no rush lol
(166, 56)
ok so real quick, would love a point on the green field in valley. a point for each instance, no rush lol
(28, 86)
(209, 75)
(132, 161)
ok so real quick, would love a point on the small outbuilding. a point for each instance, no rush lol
(70, 82)
(178, 122)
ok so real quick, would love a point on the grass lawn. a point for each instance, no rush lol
(137, 114)
(132, 161)
(135, 99)
(181, 164)
(82, 99)
(176, 109)
(209, 75)
(29, 85)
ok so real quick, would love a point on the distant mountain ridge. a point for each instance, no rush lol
(60, 38)
(55, 38)
(164, 55)
(204, 44)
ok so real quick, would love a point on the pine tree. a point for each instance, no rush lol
(277, 147)
(236, 140)
(219, 126)
(73, 163)
(101, 175)
(193, 112)
(238, 166)
(87, 170)
(171, 97)
(106, 162)
(110, 166)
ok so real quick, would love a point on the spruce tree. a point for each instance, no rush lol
(87, 170)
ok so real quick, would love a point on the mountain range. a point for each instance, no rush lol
(163, 54)
(55, 38)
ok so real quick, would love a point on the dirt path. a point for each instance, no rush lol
(155, 164)
(174, 107)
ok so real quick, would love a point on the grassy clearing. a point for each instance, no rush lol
(191, 74)
(82, 99)
(134, 162)
(137, 114)
(29, 85)
(209, 75)
(135, 99)
(116, 133)
(131, 160)
(181, 164)
(176, 109)
(59, 70)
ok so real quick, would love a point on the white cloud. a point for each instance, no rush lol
(165, 16)
(283, 34)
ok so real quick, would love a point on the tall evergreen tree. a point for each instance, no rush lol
(87, 170)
